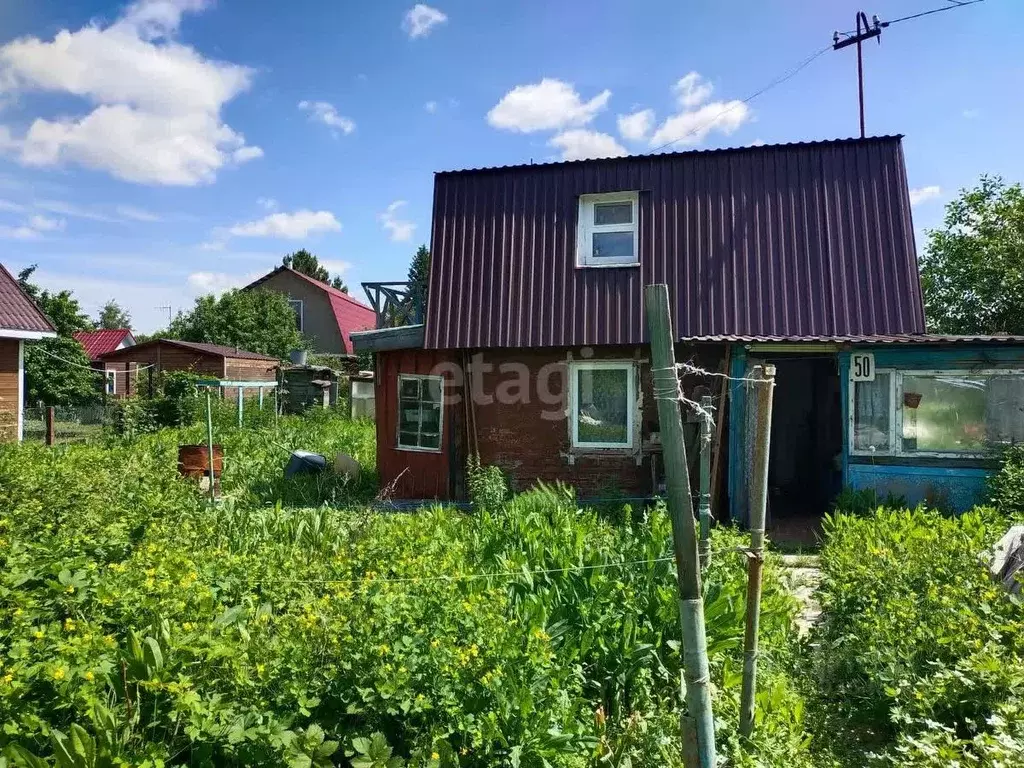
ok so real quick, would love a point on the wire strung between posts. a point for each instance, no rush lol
(90, 368)
(472, 576)
(688, 368)
(663, 392)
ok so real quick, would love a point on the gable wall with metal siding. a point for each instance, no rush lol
(320, 326)
(811, 240)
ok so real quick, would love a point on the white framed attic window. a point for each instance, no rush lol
(608, 230)
(602, 404)
(420, 409)
(296, 305)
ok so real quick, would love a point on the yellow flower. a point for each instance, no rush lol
(435, 643)
(89, 676)
(69, 625)
(8, 678)
(58, 673)
(70, 588)
(39, 634)
(18, 611)
(434, 756)
(188, 626)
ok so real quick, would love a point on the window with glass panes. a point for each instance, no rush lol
(608, 230)
(603, 404)
(937, 412)
(419, 412)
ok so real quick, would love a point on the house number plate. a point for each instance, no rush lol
(862, 366)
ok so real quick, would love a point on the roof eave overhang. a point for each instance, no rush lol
(14, 333)
(384, 339)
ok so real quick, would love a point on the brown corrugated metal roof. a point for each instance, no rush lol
(17, 310)
(207, 349)
(811, 239)
(897, 338)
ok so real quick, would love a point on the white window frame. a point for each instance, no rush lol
(896, 412)
(586, 229)
(301, 312)
(110, 382)
(630, 367)
(398, 421)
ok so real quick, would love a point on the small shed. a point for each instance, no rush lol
(309, 386)
(159, 355)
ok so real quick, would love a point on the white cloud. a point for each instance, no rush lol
(924, 194)
(581, 144)
(324, 112)
(7, 205)
(692, 90)
(692, 127)
(76, 211)
(421, 19)
(244, 154)
(758, 143)
(19, 233)
(636, 126)
(399, 230)
(137, 214)
(267, 203)
(218, 282)
(548, 105)
(336, 266)
(42, 223)
(158, 101)
(431, 107)
(291, 226)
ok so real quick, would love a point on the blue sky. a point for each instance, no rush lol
(154, 151)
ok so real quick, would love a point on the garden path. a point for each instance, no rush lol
(803, 575)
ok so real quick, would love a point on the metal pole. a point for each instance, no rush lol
(698, 723)
(704, 507)
(260, 396)
(241, 400)
(209, 444)
(860, 76)
(762, 401)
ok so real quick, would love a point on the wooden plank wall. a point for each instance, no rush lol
(9, 402)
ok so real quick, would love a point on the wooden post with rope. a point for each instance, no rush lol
(698, 725)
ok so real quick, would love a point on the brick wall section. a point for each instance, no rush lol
(516, 436)
(529, 447)
(9, 403)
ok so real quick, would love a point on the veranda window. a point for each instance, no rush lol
(419, 412)
(937, 412)
(603, 404)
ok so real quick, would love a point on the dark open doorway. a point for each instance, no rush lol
(804, 464)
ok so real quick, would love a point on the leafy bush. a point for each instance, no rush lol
(485, 484)
(139, 623)
(1007, 485)
(919, 651)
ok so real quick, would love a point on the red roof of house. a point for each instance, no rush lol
(350, 314)
(17, 310)
(100, 342)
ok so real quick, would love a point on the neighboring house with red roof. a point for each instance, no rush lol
(98, 343)
(325, 315)
(20, 321)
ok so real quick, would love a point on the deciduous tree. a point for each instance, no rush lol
(972, 269)
(308, 264)
(255, 320)
(112, 316)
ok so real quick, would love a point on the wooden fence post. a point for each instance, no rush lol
(698, 723)
(51, 431)
(762, 401)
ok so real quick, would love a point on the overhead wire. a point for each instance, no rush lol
(90, 368)
(955, 4)
(779, 80)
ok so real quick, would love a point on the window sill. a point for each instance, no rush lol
(609, 266)
(417, 450)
